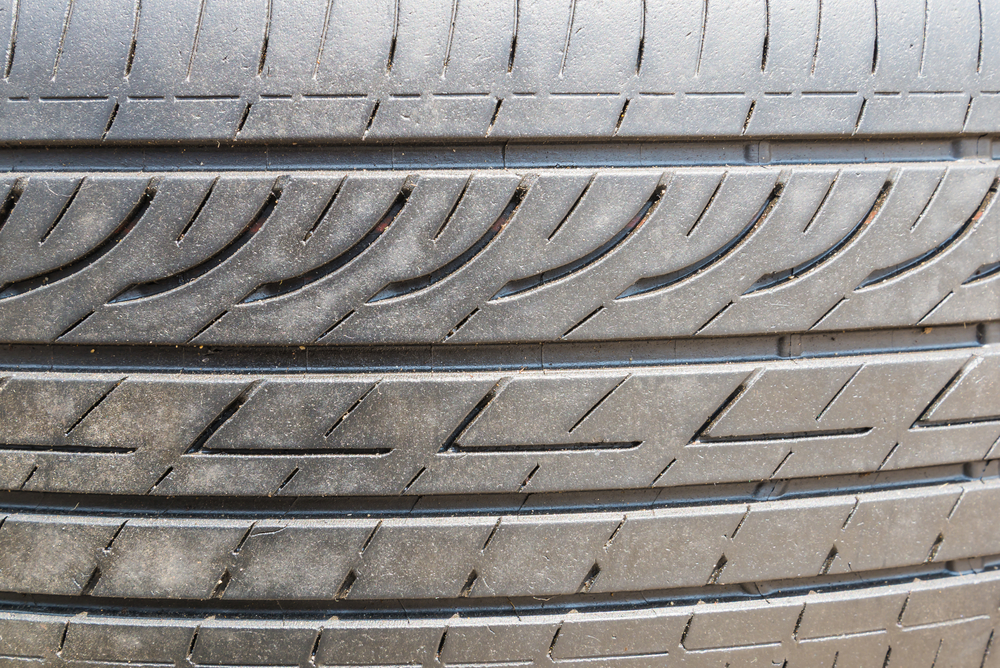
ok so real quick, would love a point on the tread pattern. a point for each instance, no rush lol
(911, 623)
(279, 70)
(497, 556)
(489, 432)
(495, 256)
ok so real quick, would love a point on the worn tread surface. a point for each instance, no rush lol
(492, 334)
(533, 554)
(496, 256)
(385, 70)
(525, 431)
(950, 622)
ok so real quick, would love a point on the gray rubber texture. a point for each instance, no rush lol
(490, 334)
(283, 70)
(496, 256)
(420, 433)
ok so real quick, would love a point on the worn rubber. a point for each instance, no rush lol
(283, 71)
(497, 334)
(489, 257)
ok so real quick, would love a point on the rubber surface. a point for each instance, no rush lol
(282, 70)
(499, 334)
(495, 256)
(518, 432)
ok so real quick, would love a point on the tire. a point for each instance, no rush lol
(498, 334)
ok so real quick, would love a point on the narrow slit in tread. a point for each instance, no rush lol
(351, 409)
(111, 121)
(569, 35)
(450, 443)
(451, 38)
(454, 208)
(413, 481)
(784, 436)
(264, 42)
(334, 326)
(822, 203)
(527, 479)
(582, 322)
(716, 573)
(197, 211)
(11, 200)
(220, 588)
(708, 205)
(589, 579)
(493, 119)
(469, 584)
(130, 59)
(94, 406)
(513, 39)
(325, 211)
(573, 207)
(243, 120)
(16, 12)
(983, 272)
(223, 417)
(546, 447)
(322, 39)
(642, 40)
(211, 323)
(288, 479)
(62, 212)
(621, 117)
(461, 323)
(91, 584)
(197, 36)
(159, 481)
(599, 402)
(62, 38)
(371, 119)
(392, 45)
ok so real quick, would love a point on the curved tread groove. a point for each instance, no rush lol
(117, 236)
(780, 278)
(288, 285)
(524, 285)
(182, 278)
(665, 281)
(421, 283)
(906, 267)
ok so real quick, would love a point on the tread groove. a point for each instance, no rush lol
(15, 14)
(410, 286)
(907, 267)
(268, 291)
(564, 272)
(179, 279)
(666, 281)
(76, 266)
